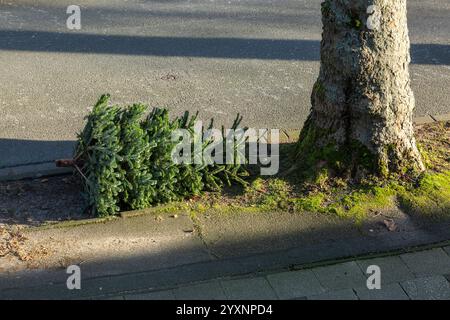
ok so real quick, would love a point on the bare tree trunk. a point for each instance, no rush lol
(362, 103)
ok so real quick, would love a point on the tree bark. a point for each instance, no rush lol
(362, 102)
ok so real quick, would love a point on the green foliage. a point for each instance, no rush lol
(98, 151)
(326, 8)
(139, 186)
(126, 161)
(158, 127)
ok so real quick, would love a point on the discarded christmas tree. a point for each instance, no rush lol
(125, 160)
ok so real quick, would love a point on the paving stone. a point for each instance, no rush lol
(344, 294)
(393, 269)
(203, 291)
(391, 291)
(295, 284)
(248, 289)
(427, 263)
(156, 295)
(340, 276)
(430, 288)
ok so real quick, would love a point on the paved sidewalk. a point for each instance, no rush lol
(418, 275)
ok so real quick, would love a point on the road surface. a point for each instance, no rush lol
(255, 57)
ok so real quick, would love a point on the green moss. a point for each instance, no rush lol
(276, 196)
(354, 205)
(317, 150)
(322, 177)
(355, 22)
(364, 157)
(307, 140)
(391, 166)
(171, 208)
(318, 156)
(431, 195)
(278, 187)
(383, 169)
(312, 203)
(256, 186)
(319, 90)
(359, 203)
(310, 153)
(426, 157)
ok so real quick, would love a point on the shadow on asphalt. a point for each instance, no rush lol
(226, 48)
(21, 152)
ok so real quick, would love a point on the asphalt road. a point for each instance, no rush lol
(256, 57)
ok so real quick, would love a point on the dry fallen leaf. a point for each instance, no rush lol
(11, 243)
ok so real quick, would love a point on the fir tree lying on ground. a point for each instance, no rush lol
(125, 160)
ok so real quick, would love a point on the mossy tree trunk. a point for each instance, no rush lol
(362, 103)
